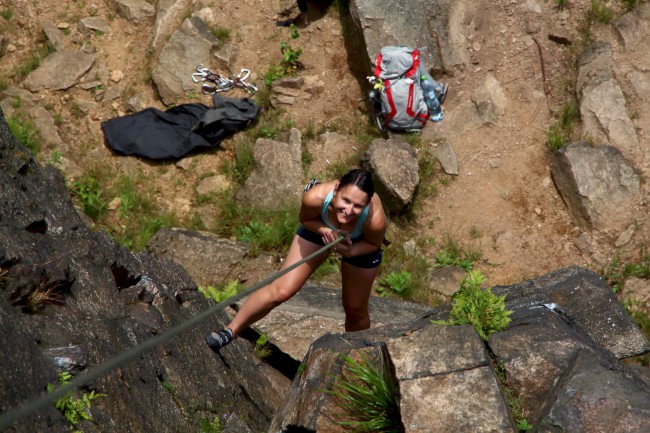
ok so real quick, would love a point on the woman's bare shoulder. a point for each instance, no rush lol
(318, 193)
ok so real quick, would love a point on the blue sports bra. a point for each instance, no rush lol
(324, 215)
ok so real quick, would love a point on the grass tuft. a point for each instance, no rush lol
(368, 396)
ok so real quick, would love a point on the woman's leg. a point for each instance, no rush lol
(357, 283)
(260, 303)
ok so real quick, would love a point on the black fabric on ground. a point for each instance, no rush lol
(187, 128)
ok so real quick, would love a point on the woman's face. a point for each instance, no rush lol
(348, 203)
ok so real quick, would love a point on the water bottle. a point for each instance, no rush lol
(435, 111)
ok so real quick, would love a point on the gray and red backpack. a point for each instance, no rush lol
(397, 92)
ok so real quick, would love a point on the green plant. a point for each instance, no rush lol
(472, 305)
(241, 166)
(397, 259)
(210, 426)
(221, 33)
(89, 192)
(33, 61)
(600, 12)
(267, 236)
(616, 272)
(169, 387)
(23, 129)
(222, 292)
(561, 3)
(396, 282)
(7, 13)
(192, 94)
(273, 73)
(330, 266)
(262, 347)
(514, 402)
(368, 396)
(290, 55)
(454, 255)
(562, 131)
(75, 410)
(630, 4)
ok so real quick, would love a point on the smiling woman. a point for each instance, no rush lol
(346, 207)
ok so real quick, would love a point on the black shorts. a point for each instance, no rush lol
(365, 261)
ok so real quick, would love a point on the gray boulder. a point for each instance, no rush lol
(394, 166)
(210, 260)
(598, 185)
(60, 70)
(135, 10)
(602, 102)
(187, 47)
(430, 26)
(277, 178)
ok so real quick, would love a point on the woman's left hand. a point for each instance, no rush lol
(343, 247)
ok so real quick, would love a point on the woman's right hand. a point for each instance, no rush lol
(333, 235)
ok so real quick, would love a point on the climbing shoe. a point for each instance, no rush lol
(216, 340)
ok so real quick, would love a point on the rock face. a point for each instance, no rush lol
(563, 345)
(72, 298)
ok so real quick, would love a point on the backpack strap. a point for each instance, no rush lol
(416, 64)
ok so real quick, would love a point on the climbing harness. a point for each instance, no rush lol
(7, 419)
(219, 83)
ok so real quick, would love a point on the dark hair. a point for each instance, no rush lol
(360, 178)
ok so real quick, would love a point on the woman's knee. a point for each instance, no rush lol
(281, 294)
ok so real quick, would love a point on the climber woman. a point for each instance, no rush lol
(346, 207)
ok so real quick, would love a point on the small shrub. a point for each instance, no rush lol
(222, 292)
(221, 33)
(561, 132)
(291, 55)
(396, 282)
(600, 12)
(263, 347)
(24, 131)
(368, 396)
(472, 305)
(88, 192)
(75, 410)
(617, 272)
(210, 426)
(273, 73)
(330, 266)
(516, 406)
(7, 13)
(454, 255)
(272, 235)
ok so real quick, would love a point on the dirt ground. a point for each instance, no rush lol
(503, 202)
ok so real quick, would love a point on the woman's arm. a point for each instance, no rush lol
(310, 208)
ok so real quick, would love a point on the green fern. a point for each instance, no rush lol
(472, 305)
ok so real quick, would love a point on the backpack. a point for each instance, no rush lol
(397, 95)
